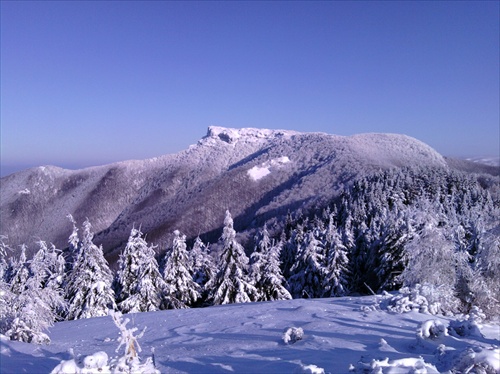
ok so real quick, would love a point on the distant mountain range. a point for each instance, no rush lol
(256, 174)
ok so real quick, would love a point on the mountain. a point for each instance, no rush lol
(257, 174)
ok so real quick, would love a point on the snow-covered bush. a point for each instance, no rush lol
(470, 326)
(292, 335)
(99, 363)
(424, 299)
(478, 361)
(130, 362)
(98, 360)
(403, 365)
(432, 329)
(431, 335)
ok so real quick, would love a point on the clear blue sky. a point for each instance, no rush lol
(87, 83)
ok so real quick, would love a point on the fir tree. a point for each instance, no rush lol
(138, 281)
(48, 266)
(32, 300)
(18, 273)
(90, 285)
(308, 272)
(232, 284)
(181, 290)
(204, 269)
(4, 248)
(271, 284)
(201, 262)
(128, 265)
(258, 259)
(337, 268)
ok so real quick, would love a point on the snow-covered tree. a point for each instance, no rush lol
(34, 297)
(271, 283)
(308, 272)
(203, 266)
(180, 290)
(73, 240)
(139, 283)
(431, 260)
(337, 263)
(48, 266)
(19, 272)
(90, 282)
(258, 257)
(232, 283)
(4, 248)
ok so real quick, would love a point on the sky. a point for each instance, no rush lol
(86, 83)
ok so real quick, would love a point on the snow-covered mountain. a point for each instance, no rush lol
(341, 335)
(256, 174)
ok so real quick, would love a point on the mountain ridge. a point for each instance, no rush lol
(191, 190)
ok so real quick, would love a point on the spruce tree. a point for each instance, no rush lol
(232, 283)
(90, 284)
(32, 299)
(271, 284)
(129, 264)
(337, 267)
(204, 269)
(145, 291)
(181, 290)
(308, 272)
(258, 259)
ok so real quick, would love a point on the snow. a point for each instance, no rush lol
(260, 171)
(339, 335)
(486, 160)
(231, 135)
(257, 172)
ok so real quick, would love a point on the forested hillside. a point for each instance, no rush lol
(432, 233)
(258, 175)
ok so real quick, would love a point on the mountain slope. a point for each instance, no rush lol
(256, 174)
(341, 335)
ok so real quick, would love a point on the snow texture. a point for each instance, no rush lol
(340, 335)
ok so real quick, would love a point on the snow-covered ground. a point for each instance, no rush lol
(339, 335)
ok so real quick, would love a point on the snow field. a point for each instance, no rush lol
(340, 335)
(260, 171)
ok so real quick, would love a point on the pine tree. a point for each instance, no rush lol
(232, 284)
(181, 290)
(90, 285)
